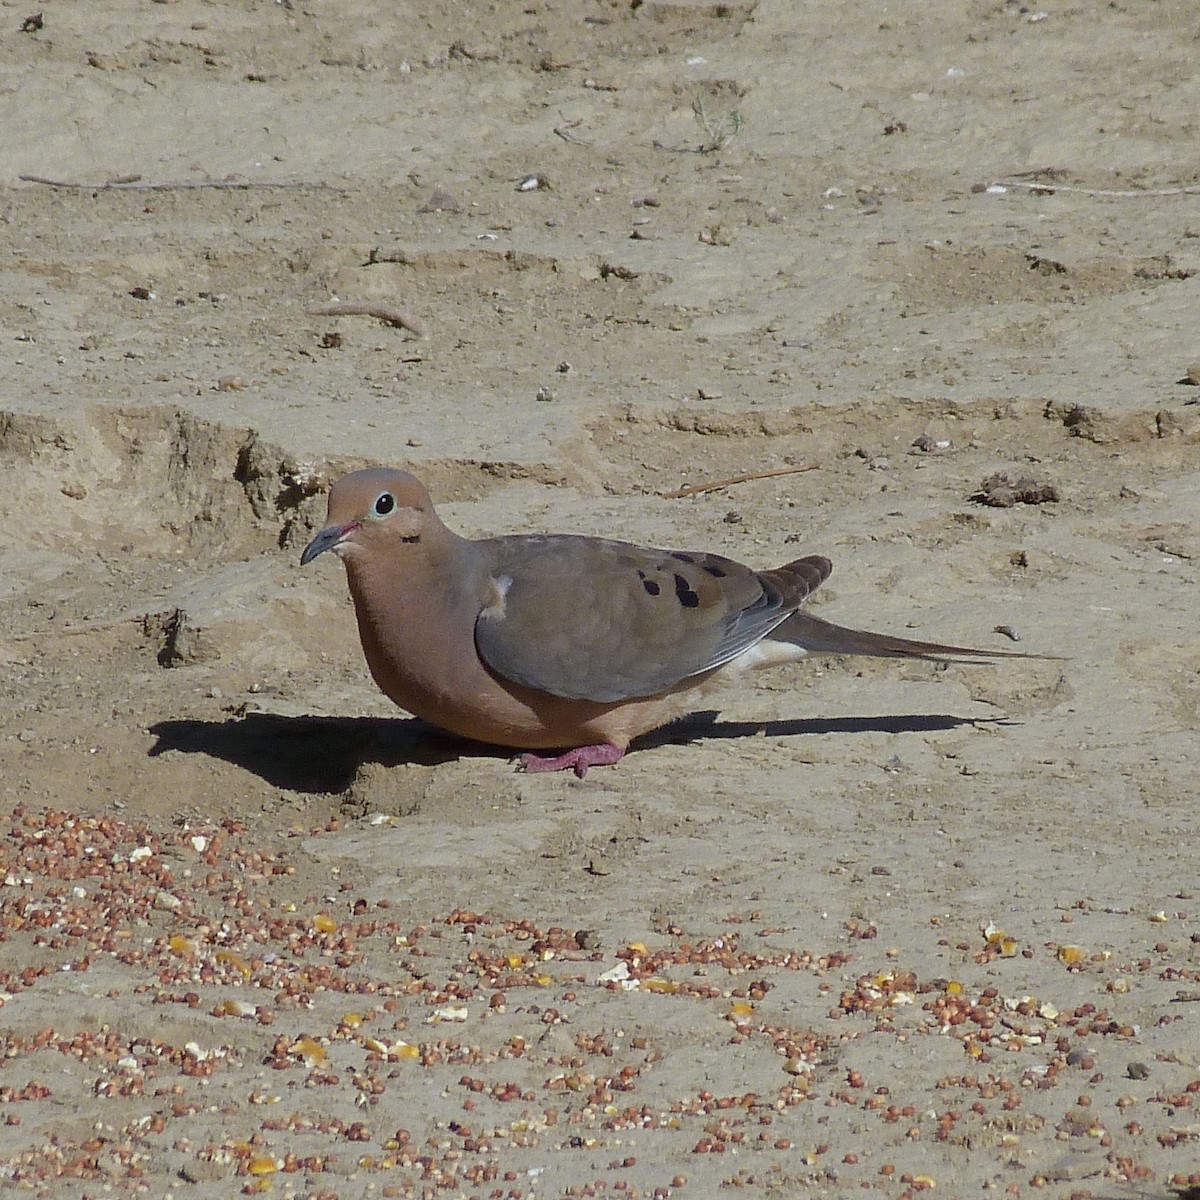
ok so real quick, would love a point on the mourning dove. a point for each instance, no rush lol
(560, 642)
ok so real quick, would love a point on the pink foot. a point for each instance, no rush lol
(577, 760)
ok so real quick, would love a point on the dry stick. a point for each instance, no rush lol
(389, 314)
(135, 183)
(82, 627)
(1132, 194)
(694, 489)
(564, 132)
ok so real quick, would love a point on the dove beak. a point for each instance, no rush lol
(327, 539)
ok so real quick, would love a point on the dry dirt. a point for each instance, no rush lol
(879, 927)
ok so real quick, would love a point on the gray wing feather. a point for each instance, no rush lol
(587, 619)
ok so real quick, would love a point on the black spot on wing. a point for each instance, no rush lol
(716, 572)
(682, 557)
(684, 593)
(651, 587)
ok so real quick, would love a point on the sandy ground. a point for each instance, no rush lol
(886, 928)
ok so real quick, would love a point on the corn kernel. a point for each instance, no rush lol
(954, 988)
(235, 1008)
(264, 1164)
(352, 1020)
(236, 961)
(448, 1012)
(662, 987)
(311, 1051)
(514, 961)
(324, 923)
(1070, 955)
(182, 946)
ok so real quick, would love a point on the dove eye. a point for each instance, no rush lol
(385, 502)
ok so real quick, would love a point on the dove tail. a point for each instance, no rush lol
(818, 636)
(803, 576)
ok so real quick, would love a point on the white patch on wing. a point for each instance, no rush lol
(494, 608)
(767, 653)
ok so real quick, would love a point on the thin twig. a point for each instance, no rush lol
(135, 183)
(564, 132)
(694, 489)
(82, 628)
(1131, 194)
(389, 314)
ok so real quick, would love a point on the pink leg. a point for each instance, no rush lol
(577, 760)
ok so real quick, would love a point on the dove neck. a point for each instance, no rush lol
(416, 608)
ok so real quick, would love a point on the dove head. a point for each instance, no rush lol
(377, 509)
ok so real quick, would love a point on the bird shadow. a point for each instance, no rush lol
(324, 754)
(706, 725)
(312, 754)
